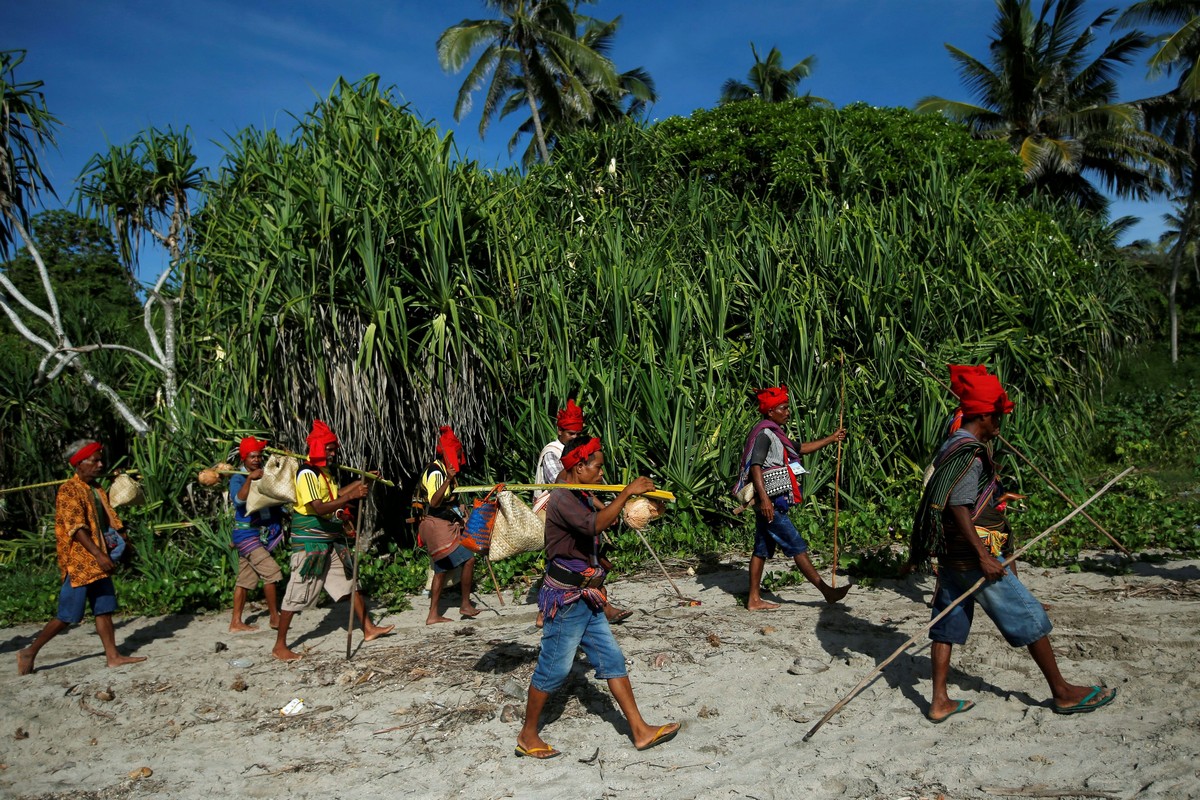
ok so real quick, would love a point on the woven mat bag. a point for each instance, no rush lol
(125, 491)
(276, 487)
(517, 529)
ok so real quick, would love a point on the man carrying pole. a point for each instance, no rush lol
(961, 522)
(320, 556)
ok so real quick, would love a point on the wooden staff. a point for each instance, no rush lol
(1042, 475)
(688, 600)
(863, 683)
(371, 476)
(495, 583)
(353, 593)
(837, 474)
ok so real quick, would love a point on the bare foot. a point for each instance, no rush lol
(833, 595)
(24, 662)
(541, 620)
(241, 627)
(375, 631)
(469, 611)
(433, 619)
(760, 605)
(275, 623)
(120, 661)
(281, 653)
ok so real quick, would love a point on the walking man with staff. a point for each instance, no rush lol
(320, 556)
(961, 521)
(771, 464)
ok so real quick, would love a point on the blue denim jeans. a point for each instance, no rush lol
(574, 625)
(780, 533)
(1017, 613)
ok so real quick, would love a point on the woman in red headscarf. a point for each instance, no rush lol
(960, 521)
(771, 464)
(441, 528)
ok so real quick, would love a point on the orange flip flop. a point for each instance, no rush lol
(664, 734)
(538, 752)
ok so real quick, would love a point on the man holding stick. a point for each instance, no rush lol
(320, 556)
(961, 521)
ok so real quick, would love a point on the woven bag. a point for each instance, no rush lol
(477, 534)
(276, 487)
(517, 529)
(125, 491)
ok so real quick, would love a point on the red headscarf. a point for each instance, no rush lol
(84, 453)
(571, 417)
(320, 436)
(770, 398)
(250, 445)
(450, 448)
(580, 454)
(977, 391)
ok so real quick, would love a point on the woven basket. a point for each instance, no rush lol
(276, 487)
(125, 491)
(517, 529)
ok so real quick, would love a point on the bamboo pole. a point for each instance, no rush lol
(837, 475)
(880, 667)
(657, 494)
(58, 482)
(371, 476)
(1041, 475)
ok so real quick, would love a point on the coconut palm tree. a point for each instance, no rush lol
(770, 82)
(532, 48)
(1056, 107)
(634, 91)
(1175, 116)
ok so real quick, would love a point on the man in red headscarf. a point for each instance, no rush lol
(771, 465)
(441, 528)
(255, 535)
(961, 522)
(321, 551)
(82, 516)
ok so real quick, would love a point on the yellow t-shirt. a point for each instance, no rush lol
(312, 486)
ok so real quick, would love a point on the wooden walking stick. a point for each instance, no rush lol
(879, 668)
(1041, 475)
(495, 583)
(837, 475)
(683, 600)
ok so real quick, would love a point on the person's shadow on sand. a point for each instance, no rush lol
(842, 634)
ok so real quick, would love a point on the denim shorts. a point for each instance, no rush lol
(780, 533)
(73, 599)
(571, 626)
(458, 556)
(1017, 613)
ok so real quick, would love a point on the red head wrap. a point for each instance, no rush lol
(450, 448)
(84, 453)
(250, 445)
(320, 436)
(571, 417)
(580, 454)
(977, 391)
(770, 398)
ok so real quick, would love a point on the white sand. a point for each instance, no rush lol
(720, 670)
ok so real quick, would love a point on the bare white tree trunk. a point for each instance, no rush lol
(61, 353)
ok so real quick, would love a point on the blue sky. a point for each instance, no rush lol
(112, 69)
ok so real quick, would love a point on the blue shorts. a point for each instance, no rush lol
(571, 626)
(780, 533)
(458, 556)
(72, 600)
(1017, 613)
